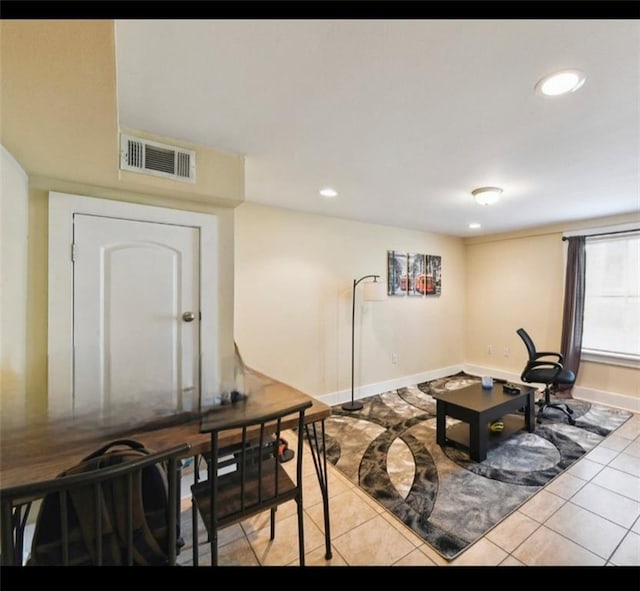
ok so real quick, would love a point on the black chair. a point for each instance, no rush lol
(248, 477)
(550, 373)
(16, 503)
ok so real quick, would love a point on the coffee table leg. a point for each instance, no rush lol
(478, 440)
(441, 423)
(529, 413)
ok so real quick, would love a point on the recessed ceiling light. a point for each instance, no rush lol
(487, 195)
(328, 192)
(474, 226)
(560, 83)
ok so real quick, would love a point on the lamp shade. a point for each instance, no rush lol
(374, 291)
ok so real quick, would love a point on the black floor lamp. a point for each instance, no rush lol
(373, 292)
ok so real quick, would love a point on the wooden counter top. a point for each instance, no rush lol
(44, 449)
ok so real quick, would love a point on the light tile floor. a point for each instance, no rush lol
(589, 515)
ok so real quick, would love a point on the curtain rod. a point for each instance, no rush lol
(604, 234)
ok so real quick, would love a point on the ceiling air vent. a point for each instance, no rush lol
(147, 157)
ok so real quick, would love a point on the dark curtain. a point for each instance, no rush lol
(573, 313)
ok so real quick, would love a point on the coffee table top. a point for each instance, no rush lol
(479, 399)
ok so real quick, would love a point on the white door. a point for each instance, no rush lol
(135, 314)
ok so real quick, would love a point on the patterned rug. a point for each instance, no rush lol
(389, 450)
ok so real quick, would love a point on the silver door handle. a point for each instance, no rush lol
(188, 316)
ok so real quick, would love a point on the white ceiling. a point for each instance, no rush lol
(402, 117)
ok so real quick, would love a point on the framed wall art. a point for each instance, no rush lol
(397, 281)
(434, 271)
(416, 273)
(413, 274)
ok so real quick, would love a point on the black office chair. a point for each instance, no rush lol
(549, 373)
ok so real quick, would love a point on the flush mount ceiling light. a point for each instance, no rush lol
(474, 226)
(328, 192)
(560, 83)
(487, 195)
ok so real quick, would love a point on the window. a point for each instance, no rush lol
(612, 298)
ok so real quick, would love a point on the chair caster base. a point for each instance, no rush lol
(570, 419)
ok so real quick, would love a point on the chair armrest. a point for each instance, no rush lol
(550, 354)
(537, 364)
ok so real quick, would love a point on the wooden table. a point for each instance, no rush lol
(477, 407)
(42, 449)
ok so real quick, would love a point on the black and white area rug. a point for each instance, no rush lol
(389, 450)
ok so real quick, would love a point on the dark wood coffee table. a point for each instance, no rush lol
(478, 407)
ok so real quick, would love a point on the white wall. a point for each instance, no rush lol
(14, 192)
(294, 274)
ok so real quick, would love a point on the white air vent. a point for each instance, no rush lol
(147, 157)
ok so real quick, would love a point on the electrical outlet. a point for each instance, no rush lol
(394, 358)
(506, 351)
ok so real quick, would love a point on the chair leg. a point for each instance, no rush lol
(214, 551)
(273, 523)
(194, 531)
(546, 403)
(300, 532)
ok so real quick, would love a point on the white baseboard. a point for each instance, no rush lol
(333, 398)
(479, 370)
(613, 399)
(621, 401)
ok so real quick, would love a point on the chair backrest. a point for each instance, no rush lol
(531, 348)
(246, 476)
(259, 480)
(108, 544)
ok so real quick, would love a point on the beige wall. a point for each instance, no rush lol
(293, 272)
(294, 275)
(517, 280)
(511, 284)
(59, 122)
(13, 281)
(293, 297)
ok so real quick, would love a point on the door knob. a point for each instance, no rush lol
(188, 316)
